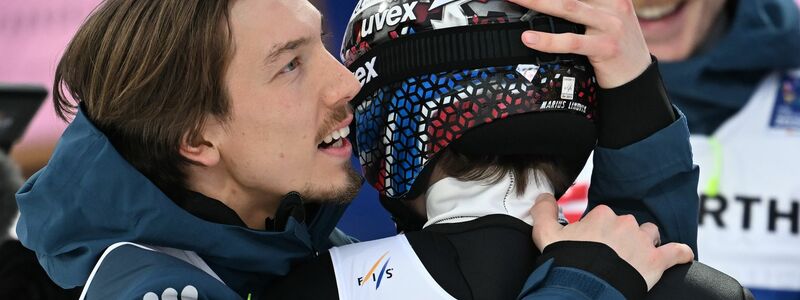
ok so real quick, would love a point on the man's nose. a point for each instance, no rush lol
(343, 85)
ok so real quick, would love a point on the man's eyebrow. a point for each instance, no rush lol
(282, 48)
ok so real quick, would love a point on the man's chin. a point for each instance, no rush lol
(341, 193)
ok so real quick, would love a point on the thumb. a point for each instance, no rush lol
(675, 254)
(545, 219)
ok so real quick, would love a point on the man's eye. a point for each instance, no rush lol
(291, 66)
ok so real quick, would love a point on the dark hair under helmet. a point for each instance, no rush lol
(454, 73)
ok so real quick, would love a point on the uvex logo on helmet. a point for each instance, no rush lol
(389, 17)
(366, 73)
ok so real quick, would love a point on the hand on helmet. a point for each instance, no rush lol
(613, 40)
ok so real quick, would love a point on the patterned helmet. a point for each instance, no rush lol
(436, 73)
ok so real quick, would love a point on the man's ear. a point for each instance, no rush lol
(203, 149)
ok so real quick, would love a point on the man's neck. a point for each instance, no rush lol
(452, 201)
(252, 208)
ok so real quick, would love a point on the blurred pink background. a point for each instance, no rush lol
(33, 34)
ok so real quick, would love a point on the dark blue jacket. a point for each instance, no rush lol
(88, 198)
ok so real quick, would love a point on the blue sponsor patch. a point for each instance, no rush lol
(786, 113)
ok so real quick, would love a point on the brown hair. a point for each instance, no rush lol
(148, 74)
(492, 168)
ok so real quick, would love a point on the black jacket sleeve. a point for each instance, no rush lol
(600, 260)
(634, 111)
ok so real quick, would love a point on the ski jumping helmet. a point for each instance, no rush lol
(455, 73)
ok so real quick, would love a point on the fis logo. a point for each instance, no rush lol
(379, 276)
(366, 73)
(390, 17)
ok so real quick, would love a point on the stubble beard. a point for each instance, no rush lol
(336, 194)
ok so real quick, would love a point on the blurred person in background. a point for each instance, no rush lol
(732, 67)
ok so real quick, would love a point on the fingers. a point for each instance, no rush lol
(545, 220)
(545, 210)
(572, 10)
(601, 212)
(613, 41)
(651, 230)
(588, 45)
(674, 253)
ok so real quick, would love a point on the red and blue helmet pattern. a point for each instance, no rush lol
(402, 126)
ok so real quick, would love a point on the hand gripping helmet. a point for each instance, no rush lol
(454, 73)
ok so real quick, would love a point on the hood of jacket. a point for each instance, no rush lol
(763, 36)
(88, 197)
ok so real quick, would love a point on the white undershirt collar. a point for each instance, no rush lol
(452, 201)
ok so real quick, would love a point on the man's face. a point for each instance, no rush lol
(675, 28)
(287, 94)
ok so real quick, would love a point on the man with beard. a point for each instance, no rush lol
(193, 135)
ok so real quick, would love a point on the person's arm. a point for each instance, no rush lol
(565, 271)
(654, 180)
(643, 165)
(616, 48)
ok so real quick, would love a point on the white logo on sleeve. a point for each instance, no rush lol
(188, 293)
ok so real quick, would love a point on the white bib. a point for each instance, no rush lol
(749, 229)
(383, 269)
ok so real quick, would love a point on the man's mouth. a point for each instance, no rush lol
(656, 10)
(336, 139)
